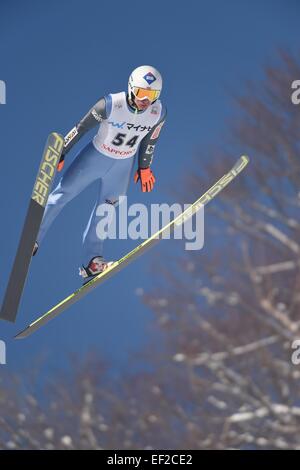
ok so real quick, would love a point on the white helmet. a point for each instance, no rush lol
(145, 82)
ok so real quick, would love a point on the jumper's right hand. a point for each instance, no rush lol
(61, 163)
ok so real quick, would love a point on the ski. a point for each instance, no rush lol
(33, 219)
(140, 249)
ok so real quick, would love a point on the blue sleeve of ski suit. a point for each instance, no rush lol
(147, 146)
(100, 111)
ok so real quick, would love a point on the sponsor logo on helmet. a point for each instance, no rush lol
(150, 78)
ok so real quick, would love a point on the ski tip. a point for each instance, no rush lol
(56, 135)
(22, 334)
(246, 157)
(240, 164)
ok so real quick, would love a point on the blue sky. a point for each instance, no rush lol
(57, 58)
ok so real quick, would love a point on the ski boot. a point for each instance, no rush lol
(96, 266)
(35, 249)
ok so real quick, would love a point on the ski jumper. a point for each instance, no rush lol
(109, 158)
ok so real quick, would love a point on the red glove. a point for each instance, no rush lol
(61, 163)
(146, 177)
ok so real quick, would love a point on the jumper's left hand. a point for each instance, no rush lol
(146, 178)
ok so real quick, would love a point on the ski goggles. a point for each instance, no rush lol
(143, 93)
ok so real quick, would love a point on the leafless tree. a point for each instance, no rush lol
(231, 313)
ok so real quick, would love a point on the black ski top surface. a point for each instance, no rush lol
(47, 170)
